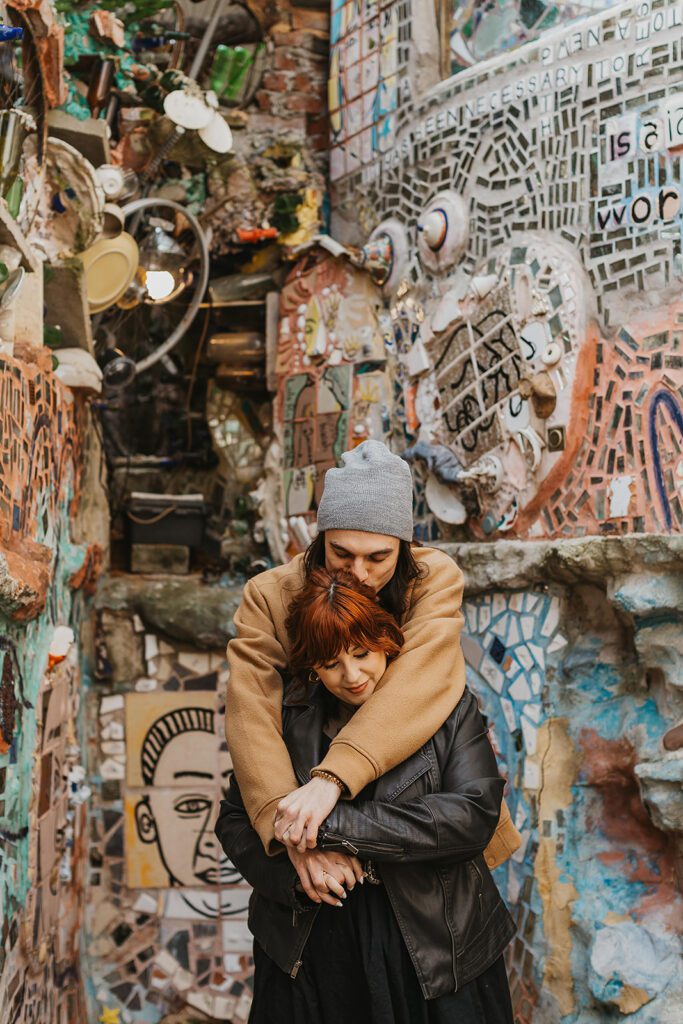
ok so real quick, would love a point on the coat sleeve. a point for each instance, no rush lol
(254, 713)
(418, 691)
(455, 824)
(271, 876)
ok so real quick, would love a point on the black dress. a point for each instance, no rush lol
(356, 970)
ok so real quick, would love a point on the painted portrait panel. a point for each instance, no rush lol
(177, 773)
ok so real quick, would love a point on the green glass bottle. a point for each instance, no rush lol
(13, 196)
(52, 336)
(229, 70)
(242, 61)
(220, 69)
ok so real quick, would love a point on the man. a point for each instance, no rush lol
(365, 523)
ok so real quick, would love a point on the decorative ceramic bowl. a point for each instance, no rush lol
(110, 265)
(62, 211)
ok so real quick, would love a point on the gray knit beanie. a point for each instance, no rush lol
(372, 491)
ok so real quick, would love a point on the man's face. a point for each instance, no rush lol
(189, 781)
(371, 557)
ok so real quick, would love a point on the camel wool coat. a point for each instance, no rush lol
(414, 698)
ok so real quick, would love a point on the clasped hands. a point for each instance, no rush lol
(324, 876)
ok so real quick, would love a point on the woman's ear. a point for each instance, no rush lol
(144, 820)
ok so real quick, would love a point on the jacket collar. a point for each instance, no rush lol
(305, 711)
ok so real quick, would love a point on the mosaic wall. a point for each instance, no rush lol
(533, 211)
(40, 439)
(363, 84)
(334, 390)
(166, 910)
(42, 836)
(592, 888)
(480, 30)
(42, 772)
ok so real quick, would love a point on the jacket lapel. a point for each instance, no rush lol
(302, 730)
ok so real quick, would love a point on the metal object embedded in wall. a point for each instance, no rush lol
(237, 349)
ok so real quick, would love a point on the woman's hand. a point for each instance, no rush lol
(323, 875)
(300, 814)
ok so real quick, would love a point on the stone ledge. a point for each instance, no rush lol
(200, 613)
(513, 564)
(183, 607)
(25, 577)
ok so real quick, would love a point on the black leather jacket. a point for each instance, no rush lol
(424, 829)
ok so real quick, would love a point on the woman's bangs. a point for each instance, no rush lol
(368, 640)
(335, 613)
(327, 635)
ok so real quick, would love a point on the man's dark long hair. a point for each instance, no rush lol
(394, 595)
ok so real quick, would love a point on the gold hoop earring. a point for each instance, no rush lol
(313, 676)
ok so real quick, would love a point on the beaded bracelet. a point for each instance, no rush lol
(319, 773)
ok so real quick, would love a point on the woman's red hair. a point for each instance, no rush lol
(335, 612)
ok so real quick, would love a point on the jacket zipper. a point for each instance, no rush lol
(481, 887)
(450, 930)
(312, 914)
(368, 850)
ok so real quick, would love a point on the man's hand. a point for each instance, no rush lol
(300, 814)
(323, 875)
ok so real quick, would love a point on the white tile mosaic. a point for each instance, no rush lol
(538, 653)
(528, 624)
(529, 734)
(111, 770)
(151, 646)
(524, 657)
(509, 712)
(552, 618)
(111, 703)
(492, 674)
(520, 689)
(532, 775)
(536, 681)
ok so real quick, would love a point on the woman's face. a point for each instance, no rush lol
(353, 676)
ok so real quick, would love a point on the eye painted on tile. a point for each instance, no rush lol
(192, 806)
(443, 231)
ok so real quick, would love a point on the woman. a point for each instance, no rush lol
(422, 941)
